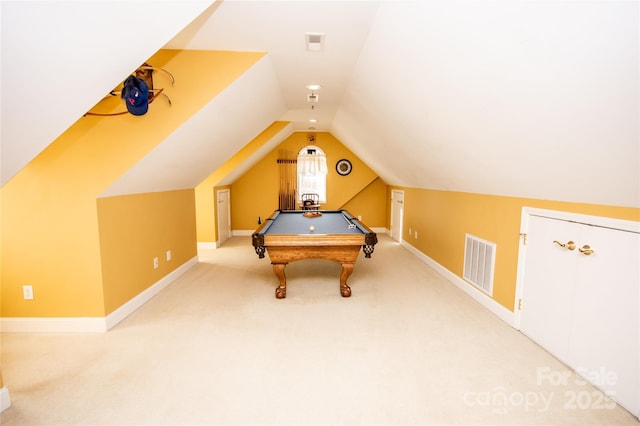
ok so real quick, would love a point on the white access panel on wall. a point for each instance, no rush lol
(578, 283)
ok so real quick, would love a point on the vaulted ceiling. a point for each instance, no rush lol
(516, 98)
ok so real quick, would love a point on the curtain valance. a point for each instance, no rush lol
(312, 164)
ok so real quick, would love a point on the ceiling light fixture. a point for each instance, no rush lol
(313, 96)
(313, 120)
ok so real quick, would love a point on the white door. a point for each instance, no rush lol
(606, 324)
(397, 210)
(580, 300)
(224, 216)
(548, 285)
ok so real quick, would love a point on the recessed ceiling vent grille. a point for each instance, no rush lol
(314, 42)
(479, 263)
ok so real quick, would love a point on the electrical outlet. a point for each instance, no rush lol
(415, 235)
(168, 255)
(410, 231)
(359, 217)
(27, 292)
(155, 263)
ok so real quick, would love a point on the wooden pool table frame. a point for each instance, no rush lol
(342, 248)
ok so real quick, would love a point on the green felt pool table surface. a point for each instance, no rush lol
(329, 222)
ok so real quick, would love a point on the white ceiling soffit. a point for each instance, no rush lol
(59, 58)
(526, 99)
(210, 137)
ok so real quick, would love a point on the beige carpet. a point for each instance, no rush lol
(216, 347)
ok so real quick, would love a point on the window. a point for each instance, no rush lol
(312, 172)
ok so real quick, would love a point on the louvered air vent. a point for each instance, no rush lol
(479, 263)
(314, 42)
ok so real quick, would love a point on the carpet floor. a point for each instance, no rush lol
(217, 348)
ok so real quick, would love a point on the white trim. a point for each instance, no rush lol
(53, 325)
(207, 245)
(524, 225)
(496, 308)
(5, 399)
(624, 225)
(132, 305)
(93, 325)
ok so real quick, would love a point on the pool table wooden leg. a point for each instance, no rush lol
(281, 290)
(347, 269)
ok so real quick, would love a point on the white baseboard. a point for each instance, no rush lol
(132, 305)
(5, 400)
(207, 245)
(93, 325)
(53, 325)
(496, 308)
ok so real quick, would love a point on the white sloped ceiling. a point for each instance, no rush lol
(527, 99)
(517, 98)
(60, 57)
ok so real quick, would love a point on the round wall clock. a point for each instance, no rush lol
(343, 167)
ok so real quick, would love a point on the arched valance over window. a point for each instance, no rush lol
(312, 172)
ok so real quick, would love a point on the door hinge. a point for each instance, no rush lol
(519, 304)
(524, 238)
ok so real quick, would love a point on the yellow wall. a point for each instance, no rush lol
(370, 204)
(206, 203)
(49, 230)
(442, 218)
(255, 194)
(136, 228)
(50, 233)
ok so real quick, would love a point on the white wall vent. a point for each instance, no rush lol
(314, 41)
(479, 263)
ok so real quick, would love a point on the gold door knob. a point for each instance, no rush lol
(570, 245)
(586, 250)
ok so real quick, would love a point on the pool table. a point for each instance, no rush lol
(290, 235)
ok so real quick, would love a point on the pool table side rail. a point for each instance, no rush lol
(314, 240)
(261, 238)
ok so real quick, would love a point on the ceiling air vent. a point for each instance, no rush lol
(314, 42)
